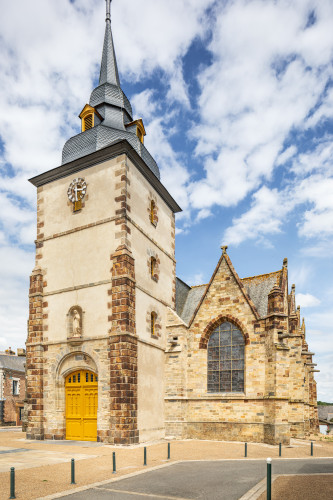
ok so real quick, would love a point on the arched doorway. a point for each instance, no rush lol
(81, 406)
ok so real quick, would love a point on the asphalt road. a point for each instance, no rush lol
(208, 480)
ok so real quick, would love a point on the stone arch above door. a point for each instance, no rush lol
(71, 362)
(75, 361)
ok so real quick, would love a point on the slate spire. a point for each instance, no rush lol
(109, 70)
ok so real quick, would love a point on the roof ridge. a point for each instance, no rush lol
(197, 286)
(261, 275)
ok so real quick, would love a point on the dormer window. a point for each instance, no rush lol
(138, 128)
(89, 118)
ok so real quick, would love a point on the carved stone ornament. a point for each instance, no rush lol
(76, 192)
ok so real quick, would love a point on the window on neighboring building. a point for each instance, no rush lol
(15, 387)
(226, 348)
(153, 323)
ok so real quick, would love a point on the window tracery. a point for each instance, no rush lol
(225, 359)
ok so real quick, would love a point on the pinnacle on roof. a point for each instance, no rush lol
(109, 70)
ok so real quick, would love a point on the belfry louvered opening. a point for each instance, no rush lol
(88, 122)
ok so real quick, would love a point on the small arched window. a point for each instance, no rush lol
(153, 316)
(152, 212)
(225, 362)
(152, 267)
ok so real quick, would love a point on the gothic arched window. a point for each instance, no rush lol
(225, 360)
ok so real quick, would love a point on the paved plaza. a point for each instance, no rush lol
(197, 470)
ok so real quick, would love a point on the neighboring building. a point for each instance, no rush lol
(325, 412)
(117, 348)
(12, 386)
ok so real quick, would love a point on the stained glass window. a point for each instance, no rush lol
(225, 359)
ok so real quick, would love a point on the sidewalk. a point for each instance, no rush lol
(43, 468)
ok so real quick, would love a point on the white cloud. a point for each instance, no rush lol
(321, 249)
(263, 218)
(286, 155)
(161, 37)
(262, 85)
(301, 273)
(174, 174)
(306, 300)
(203, 214)
(145, 104)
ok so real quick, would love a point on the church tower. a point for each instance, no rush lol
(104, 279)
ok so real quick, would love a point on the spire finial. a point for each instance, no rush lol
(108, 10)
(109, 70)
(224, 249)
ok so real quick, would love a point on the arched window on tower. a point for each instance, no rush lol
(153, 317)
(152, 267)
(152, 212)
(225, 359)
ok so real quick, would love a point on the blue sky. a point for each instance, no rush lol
(237, 101)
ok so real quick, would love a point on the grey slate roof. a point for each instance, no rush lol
(258, 288)
(15, 363)
(100, 137)
(187, 299)
(325, 412)
(182, 290)
(114, 108)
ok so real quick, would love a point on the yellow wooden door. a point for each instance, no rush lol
(81, 406)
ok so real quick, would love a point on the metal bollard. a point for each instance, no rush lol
(12, 482)
(114, 462)
(168, 451)
(280, 449)
(73, 471)
(245, 450)
(311, 448)
(144, 456)
(269, 479)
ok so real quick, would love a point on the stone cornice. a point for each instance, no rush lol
(100, 156)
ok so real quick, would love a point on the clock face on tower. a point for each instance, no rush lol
(76, 192)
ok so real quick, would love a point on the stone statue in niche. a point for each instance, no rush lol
(76, 319)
